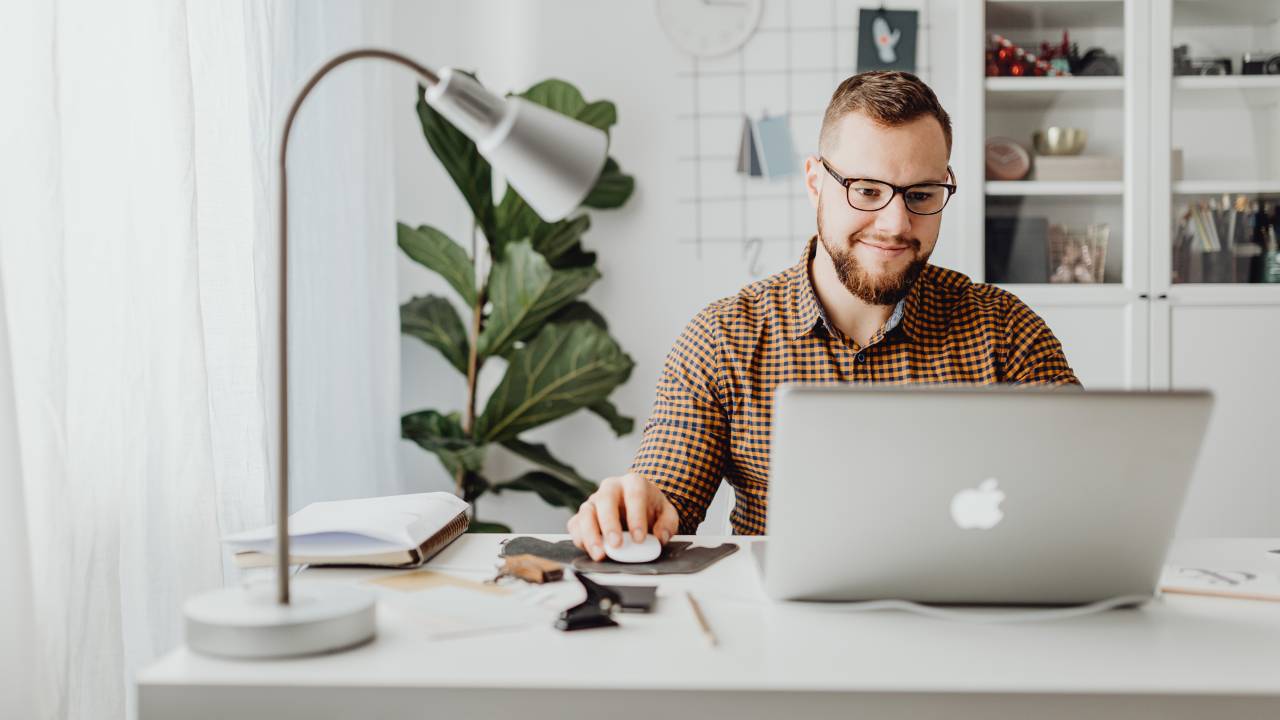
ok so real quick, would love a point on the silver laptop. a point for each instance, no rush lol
(991, 495)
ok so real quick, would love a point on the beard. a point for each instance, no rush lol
(884, 289)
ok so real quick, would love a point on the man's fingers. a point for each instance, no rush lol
(668, 521)
(606, 502)
(590, 531)
(574, 534)
(636, 501)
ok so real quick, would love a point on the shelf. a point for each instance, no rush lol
(1227, 82)
(1255, 89)
(1074, 83)
(1041, 92)
(1226, 187)
(1042, 188)
(1054, 14)
(1199, 13)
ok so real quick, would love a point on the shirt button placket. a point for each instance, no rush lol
(847, 364)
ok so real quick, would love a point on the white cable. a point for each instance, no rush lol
(1013, 616)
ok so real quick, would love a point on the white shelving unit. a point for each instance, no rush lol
(1054, 189)
(1142, 330)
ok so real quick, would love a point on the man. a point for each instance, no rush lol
(862, 305)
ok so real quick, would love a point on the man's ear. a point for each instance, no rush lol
(813, 178)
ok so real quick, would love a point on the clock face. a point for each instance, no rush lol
(709, 27)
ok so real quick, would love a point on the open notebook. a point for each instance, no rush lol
(392, 531)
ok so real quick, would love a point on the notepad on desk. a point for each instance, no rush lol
(391, 531)
(1239, 584)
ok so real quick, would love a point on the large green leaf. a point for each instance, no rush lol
(563, 369)
(612, 189)
(579, 310)
(538, 453)
(558, 95)
(460, 158)
(515, 221)
(601, 113)
(576, 257)
(435, 250)
(619, 423)
(554, 490)
(442, 435)
(564, 98)
(552, 240)
(525, 292)
(433, 320)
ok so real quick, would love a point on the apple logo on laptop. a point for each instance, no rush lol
(978, 508)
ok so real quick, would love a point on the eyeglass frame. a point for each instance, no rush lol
(897, 190)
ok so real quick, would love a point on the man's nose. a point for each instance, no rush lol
(894, 218)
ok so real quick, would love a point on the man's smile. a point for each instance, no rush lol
(886, 250)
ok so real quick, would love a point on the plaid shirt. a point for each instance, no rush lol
(714, 403)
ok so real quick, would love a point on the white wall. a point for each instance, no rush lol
(652, 284)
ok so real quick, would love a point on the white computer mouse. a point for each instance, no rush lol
(631, 551)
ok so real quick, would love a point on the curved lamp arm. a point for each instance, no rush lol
(282, 477)
(552, 160)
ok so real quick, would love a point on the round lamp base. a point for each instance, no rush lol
(244, 622)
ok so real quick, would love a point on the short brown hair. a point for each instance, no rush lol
(889, 97)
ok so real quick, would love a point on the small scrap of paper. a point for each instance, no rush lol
(765, 149)
(429, 580)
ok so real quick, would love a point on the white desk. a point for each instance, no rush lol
(1178, 657)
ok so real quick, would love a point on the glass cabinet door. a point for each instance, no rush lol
(1055, 142)
(1224, 135)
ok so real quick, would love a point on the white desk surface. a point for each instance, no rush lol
(1179, 656)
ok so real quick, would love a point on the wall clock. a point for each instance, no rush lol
(706, 28)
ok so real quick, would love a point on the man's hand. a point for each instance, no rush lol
(629, 498)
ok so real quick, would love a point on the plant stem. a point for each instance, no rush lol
(473, 360)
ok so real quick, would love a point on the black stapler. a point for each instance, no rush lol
(596, 611)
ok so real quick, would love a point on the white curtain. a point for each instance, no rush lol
(18, 651)
(137, 268)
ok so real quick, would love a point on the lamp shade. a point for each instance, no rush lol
(551, 159)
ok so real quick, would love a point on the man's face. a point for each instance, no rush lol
(878, 255)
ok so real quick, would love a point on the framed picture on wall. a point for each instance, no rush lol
(887, 39)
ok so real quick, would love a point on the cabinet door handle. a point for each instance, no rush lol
(1144, 296)
(1162, 296)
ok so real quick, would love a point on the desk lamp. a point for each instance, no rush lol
(552, 161)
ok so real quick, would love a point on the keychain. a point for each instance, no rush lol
(529, 568)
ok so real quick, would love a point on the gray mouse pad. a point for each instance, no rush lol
(677, 558)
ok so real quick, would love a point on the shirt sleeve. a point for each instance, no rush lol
(1033, 355)
(686, 439)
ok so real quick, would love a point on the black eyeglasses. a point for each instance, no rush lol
(870, 195)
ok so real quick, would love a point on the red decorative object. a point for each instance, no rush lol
(1004, 59)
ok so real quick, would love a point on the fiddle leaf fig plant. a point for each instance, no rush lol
(528, 311)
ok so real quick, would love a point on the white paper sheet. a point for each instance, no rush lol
(446, 612)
